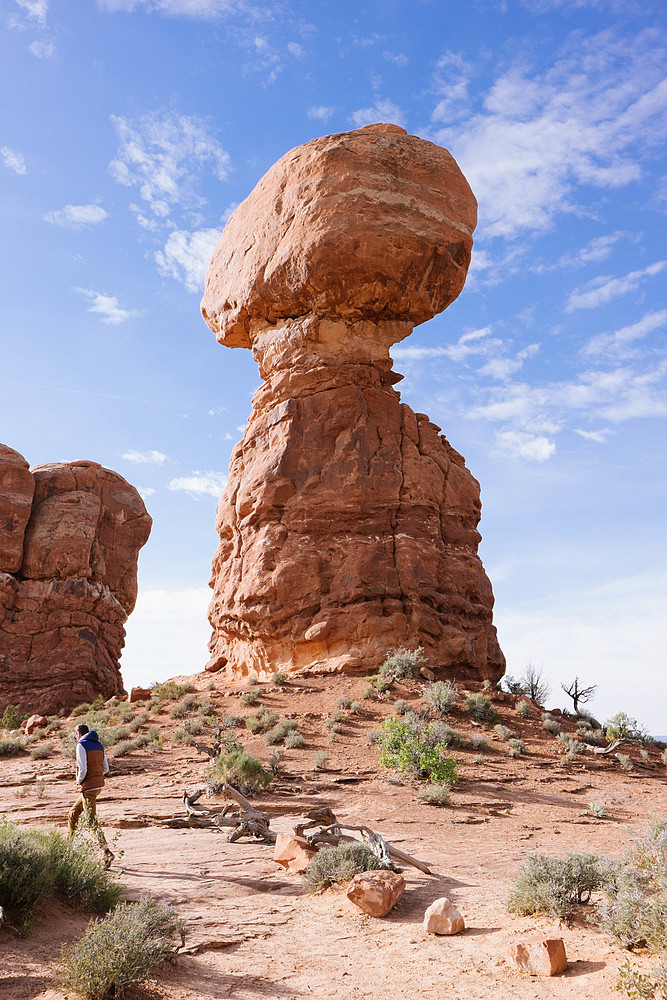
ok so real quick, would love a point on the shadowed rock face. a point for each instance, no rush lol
(70, 534)
(348, 524)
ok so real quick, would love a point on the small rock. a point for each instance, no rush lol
(139, 694)
(539, 956)
(427, 674)
(33, 723)
(376, 893)
(293, 853)
(442, 917)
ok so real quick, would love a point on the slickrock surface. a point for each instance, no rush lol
(349, 523)
(68, 580)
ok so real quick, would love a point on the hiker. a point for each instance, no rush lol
(91, 766)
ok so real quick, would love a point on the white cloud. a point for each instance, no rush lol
(186, 256)
(13, 160)
(107, 306)
(145, 492)
(42, 49)
(382, 111)
(34, 10)
(151, 457)
(321, 113)
(586, 120)
(522, 445)
(162, 155)
(618, 344)
(450, 82)
(596, 250)
(599, 437)
(202, 10)
(295, 50)
(603, 289)
(208, 483)
(397, 58)
(76, 216)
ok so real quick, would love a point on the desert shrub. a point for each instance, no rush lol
(42, 751)
(522, 709)
(339, 864)
(516, 748)
(54, 725)
(140, 720)
(294, 740)
(622, 727)
(250, 697)
(478, 741)
(403, 662)
(480, 707)
(551, 725)
(535, 684)
(443, 733)
(400, 706)
(640, 985)
(121, 950)
(417, 750)
(188, 703)
(279, 678)
(597, 809)
(513, 685)
(570, 741)
(368, 693)
(170, 691)
(356, 708)
(206, 708)
(554, 886)
(81, 709)
(195, 727)
(321, 760)
(236, 767)
(343, 701)
(374, 737)
(441, 695)
(338, 715)
(261, 721)
(633, 914)
(478, 759)
(35, 865)
(335, 728)
(12, 745)
(12, 717)
(503, 732)
(625, 761)
(127, 746)
(435, 795)
(645, 755)
(280, 731)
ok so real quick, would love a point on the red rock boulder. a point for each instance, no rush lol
(377, 892)
(539, 956)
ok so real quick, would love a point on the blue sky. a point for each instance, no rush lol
(129, 131)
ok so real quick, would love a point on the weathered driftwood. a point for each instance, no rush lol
(332, 833)
(610, 749)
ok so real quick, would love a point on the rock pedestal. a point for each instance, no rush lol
(349, 523)
(69, 539)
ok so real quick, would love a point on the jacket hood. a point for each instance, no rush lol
(90, 737)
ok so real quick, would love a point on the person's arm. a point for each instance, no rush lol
(105, 765)
(81, 763)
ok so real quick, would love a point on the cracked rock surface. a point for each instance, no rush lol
(348, 525)
(70, 534)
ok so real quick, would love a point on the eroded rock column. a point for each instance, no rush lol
(70, 534)
(349, 523)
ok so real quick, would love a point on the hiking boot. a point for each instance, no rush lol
(108, 857)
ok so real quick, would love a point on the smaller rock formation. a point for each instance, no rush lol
(377, 892)
(293, 853)
(539, 956)
(70, 534)
(442, 917)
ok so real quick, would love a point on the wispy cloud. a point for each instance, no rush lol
(200, 483)
(586, 120)
(162, 154)
(522, 445)
(602, 290)
(76, 216)
(397, 58)
(144, 457)
(13, 160)
(600, 437)
(383, 110)
(42, 48)
(620, 343)
(321, 113)
(186, 256)
(451, 82)
(34, 11)
(107, 307)
(201, 10)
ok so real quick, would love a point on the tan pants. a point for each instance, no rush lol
(86, 802)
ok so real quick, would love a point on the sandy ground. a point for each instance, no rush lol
(251, 930)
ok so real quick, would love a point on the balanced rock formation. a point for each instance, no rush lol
(70, 534)
(348, 524)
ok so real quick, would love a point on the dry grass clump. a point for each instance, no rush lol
(435, 795)
(10, 746)
(120, 951)
(480, 706)
(280, 732)
(261, 721)
(441, 696)
(339, 864)
(402, 663)
(236, 767)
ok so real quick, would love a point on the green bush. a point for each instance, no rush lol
(441, 695)
(279, 678)
(294, 740)
(642, 986)
(339, 864)
(356, 708)
(12, 717)
(238, 768)
(35, 865)
(480, 707)
(551, 725)
(261, 721)
(402, 663)
(622, 727)
(250, 697)
(597, 809)
(170, 691)
(120, 951)
(554, 886)
(10, 746)
(280, 731)
(417, 750)
(188, 703)
(516, 748)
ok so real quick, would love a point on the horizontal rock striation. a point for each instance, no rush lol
(348, 524)
(67, 580)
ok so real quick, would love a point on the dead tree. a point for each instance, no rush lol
(579, 694)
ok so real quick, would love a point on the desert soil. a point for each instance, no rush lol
(252, 932)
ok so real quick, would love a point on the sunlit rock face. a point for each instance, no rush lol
(348, 524)
(70, 535)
